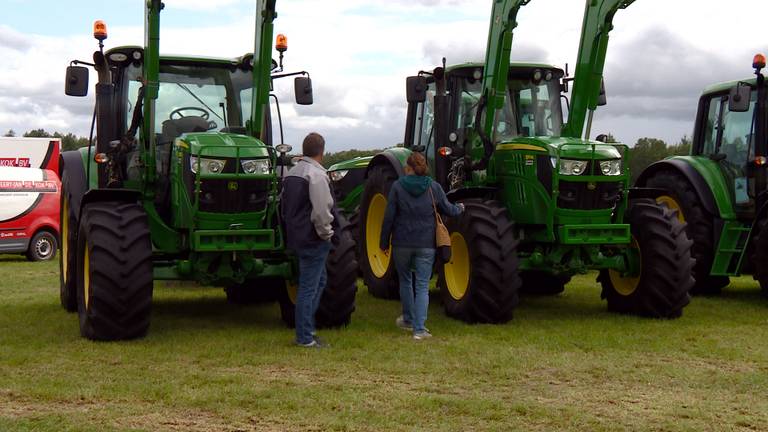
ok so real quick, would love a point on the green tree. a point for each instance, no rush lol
(645, 152)
(682, 148)
(71, 141)
(10, 133)
(37, 133)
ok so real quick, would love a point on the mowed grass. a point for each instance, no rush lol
(563, 363)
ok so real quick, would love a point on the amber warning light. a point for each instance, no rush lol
(281, 44)
(99, 30)
(759, 61)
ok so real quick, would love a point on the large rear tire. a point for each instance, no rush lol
(665, 263)
(700, 228)
(338, 300)
(378, 269)
(542, 283)
(68, 255)
(480, 283)
(114, 271)
(760, 255)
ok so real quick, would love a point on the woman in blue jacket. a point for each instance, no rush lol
(410, 221)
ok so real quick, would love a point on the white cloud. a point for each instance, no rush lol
(360, 51)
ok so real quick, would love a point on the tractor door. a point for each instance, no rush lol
(424, 131)
(728, 138)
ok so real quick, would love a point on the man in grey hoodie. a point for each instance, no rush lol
(308, 213)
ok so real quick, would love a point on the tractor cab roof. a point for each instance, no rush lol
(132, 53)
(727, 85)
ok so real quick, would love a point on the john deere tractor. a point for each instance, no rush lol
(182, 183)
(542, 201)
(721, 188)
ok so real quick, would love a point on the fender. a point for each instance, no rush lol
(696, 180)
(386, 158)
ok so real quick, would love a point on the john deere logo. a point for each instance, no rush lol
(232, 185)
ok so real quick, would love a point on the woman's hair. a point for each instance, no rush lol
(418, 163)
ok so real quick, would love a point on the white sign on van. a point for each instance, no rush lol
(20, 189)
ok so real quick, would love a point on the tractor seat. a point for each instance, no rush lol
(173, 129)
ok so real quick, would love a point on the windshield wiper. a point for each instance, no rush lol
(200, 100)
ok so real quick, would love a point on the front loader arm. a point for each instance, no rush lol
(598, 22)
(496, 71)
(262, 65)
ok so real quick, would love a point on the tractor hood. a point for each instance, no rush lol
(565, 148)
(360, 162)
(223, 145)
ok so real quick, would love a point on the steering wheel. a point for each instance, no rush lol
(178, 112)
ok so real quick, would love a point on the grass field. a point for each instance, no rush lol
(563, 363)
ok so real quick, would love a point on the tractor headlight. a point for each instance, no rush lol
(337, 175)
(572, 167)
(207, 166)
(611, 167)
(255, 166)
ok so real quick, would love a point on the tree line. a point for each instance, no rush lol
(645, 151)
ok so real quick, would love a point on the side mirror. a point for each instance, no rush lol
(602, 99)
(302, 87)
(738, 99)
(416, 89)
(76, 81)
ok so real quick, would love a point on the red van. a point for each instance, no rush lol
(29, 212)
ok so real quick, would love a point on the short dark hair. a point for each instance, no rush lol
(314, 145)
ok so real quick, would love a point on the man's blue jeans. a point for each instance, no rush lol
(414, 297)
(312, 278)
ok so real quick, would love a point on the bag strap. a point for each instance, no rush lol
(434, 206)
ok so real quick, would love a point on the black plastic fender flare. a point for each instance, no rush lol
(385, 159)
(696, 180)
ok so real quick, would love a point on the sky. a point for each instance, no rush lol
(661, 55)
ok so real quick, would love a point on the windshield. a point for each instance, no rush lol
(529, 109)
(208, 97)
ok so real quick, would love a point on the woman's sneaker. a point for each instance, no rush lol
(400, 322)
(422, 335)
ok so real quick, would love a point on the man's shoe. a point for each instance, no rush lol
(312, 344)
(400, 322)
(422, 335)
(321, 342)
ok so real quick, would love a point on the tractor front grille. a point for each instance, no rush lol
(588, 195)
(234, 196)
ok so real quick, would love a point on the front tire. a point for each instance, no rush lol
(114, 271)
(480, 283)
(700, 228)
(68, 255)
(665, 265)
(378, 269)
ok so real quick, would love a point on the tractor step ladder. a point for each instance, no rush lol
(730, 250)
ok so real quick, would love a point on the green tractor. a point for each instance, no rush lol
(721, 188)
(182, 183)
(542, 203)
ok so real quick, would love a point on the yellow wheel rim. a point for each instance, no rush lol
(456, 271)
(64, 238)
(377, 259)
(292, 289)
(86, 276)
(672, 204)
(626, 285)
